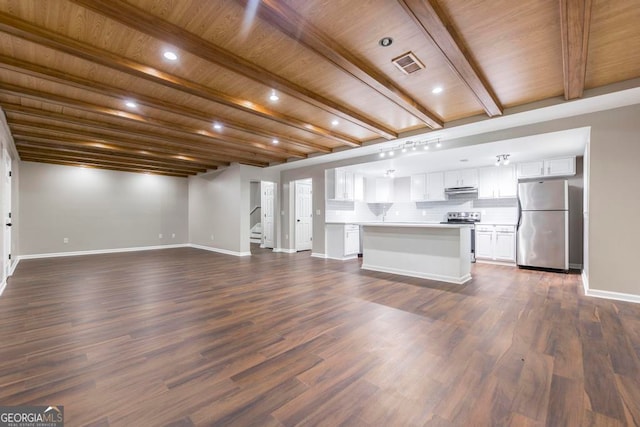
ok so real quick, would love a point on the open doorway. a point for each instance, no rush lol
(262, 207)
(303, 215)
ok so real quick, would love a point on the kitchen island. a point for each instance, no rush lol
(431, 251)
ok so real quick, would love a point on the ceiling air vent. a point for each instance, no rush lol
(408, 63)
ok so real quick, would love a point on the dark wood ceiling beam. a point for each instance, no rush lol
(44, 159)
(27, 141)
(63, 78)
(139, 20)
(27, 31)
(280, 15)
(89, 144)
(211, 138)
(433, 24)
(25, 128)
(575, 19)
(87, 157)
(186, 146)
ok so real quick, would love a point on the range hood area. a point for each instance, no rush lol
(460, 190)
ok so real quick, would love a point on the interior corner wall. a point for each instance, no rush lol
(614, 152)
(214, 210)
(98, 209)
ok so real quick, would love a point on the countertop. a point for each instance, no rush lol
(413, 224)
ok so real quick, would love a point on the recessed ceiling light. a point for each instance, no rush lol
(391, 153)
(275, 140)
(438, 144)
(274, 97)
(437, 90)
(217, 126)
(130, 104)
(171, 56)
(382, 154)
(385, 41)
(334, 122)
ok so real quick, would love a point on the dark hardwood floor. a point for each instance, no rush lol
(185, 337)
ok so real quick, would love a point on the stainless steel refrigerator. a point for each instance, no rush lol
(543, 224)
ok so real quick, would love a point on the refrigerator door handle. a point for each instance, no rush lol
(519, 215)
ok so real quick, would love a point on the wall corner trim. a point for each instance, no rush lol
(2, 286)
(13, 267)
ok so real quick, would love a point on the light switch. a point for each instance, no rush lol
(318, 212)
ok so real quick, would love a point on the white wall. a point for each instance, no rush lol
(98, 209)
(219, 206)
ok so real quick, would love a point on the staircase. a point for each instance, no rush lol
(255, 235)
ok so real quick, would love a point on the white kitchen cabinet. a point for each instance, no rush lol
(351, 239)
(379, 190)
(496, 242)
(358, 188)
(418, 187)
(505, 244)
(497, 182)
(344, 182)
(484, 242)
(342, 241)
(560, 167)
(507, 181)
(565, 166)
(435, 186)
(461, 178)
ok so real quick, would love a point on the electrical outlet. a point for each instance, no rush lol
(160, 236)
(65, 240)
(173, 235)
(212, 237)
(317, 211)
(286, 237)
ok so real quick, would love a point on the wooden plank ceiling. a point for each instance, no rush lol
(68, 68)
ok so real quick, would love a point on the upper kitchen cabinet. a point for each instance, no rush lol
(343, 187)
(418, 187)
(435, 186)
(378, 190)
(565, 166)
(461, 178)
(497, 182)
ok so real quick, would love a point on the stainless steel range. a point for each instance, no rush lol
(465, 218)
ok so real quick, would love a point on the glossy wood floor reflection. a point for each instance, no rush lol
(185, 337)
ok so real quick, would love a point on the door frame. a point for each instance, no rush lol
(7, 182)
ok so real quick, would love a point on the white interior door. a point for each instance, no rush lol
(6, 213)
(303, 215)
(268, 216)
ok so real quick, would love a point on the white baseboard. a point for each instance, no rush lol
(317, 255)
(286, 251)
(218, 250)
(13, 267)
(101, 251)
(344, 258)
(255, 240)
(618, 296)
(2, 286)
(490, 261)
(441, 278)
(575, 266)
